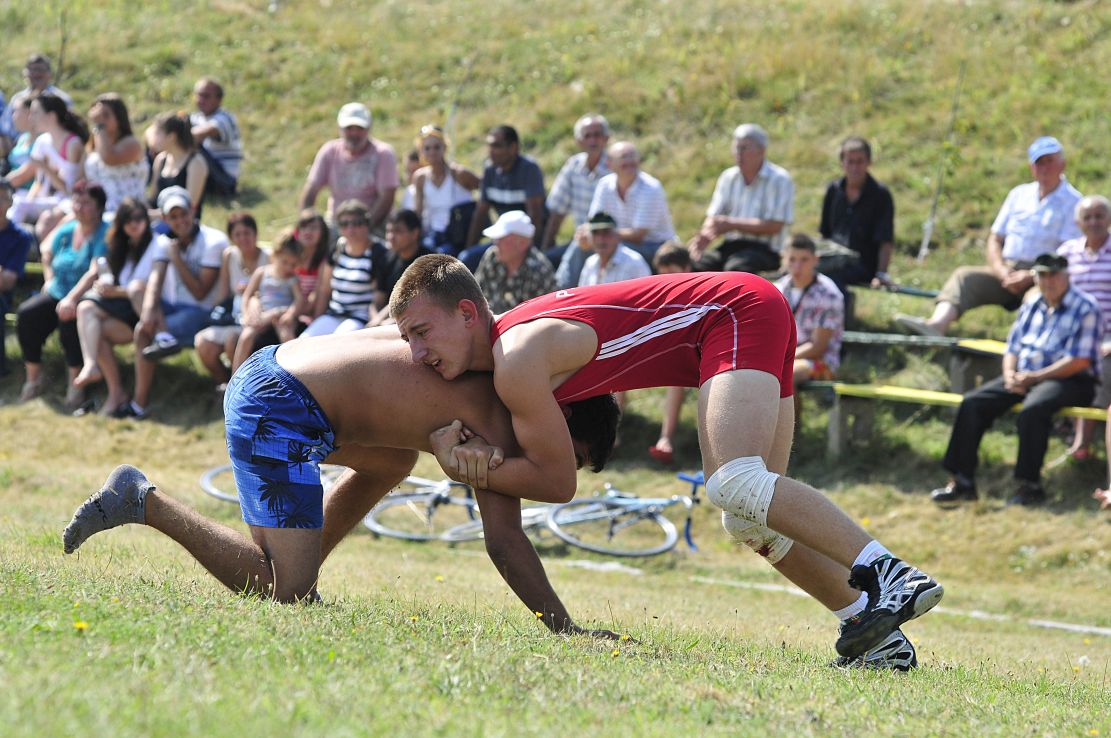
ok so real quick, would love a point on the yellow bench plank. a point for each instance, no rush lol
(985, 346)
(945, 399)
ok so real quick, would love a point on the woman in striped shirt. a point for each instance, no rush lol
(345, 292)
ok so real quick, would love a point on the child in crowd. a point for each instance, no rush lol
(273, 298)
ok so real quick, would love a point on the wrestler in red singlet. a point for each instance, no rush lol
(671, 330)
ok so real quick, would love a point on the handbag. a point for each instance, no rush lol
(459, 223)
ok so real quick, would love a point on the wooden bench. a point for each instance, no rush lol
(972, 361)
(853, 414)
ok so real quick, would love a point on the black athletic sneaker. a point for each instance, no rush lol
(896, 653)
(160, 348)
(897, 592)
(953, 493)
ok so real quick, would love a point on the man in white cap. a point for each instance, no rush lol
(512, 271)
(354, 166)
(181, 292)
(1036, 218)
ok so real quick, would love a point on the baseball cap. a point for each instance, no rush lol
(1051, 263)
(1042, 146)
(601, 221)
(174, 197)
(354, 114)
(515, 222)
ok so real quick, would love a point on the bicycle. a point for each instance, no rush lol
(421, 509)
(618, 524)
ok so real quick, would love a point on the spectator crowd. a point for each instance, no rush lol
(114, 217)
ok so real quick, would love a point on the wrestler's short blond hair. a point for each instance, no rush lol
(443, 279)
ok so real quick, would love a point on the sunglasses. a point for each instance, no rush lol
(430, 129)
(351, 223)
(137, 218)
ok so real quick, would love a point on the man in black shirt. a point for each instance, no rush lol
(858, 212)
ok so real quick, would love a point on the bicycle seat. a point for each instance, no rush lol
(696, 479)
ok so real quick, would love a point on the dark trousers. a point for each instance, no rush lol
(5, 303)
(740, 255)
(36, 319)
(981, 406)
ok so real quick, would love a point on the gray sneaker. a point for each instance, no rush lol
(896, 653)
(914, 324)
(121, 500)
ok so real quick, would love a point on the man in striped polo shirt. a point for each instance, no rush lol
(1090, 270)
(752, 206)
(217, 131)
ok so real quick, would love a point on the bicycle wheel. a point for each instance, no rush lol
(533, 520)
(613, 528)
(419, 517)
(219, 482)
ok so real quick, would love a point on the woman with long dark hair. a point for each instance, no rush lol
(58, 155)
(115, 160)
(107, 314)
(178, 162)
(314, 236)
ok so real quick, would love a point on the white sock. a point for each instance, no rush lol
(870, 553)
(855, 608)
(163, 336)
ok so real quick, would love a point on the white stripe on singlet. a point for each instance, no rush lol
(688, 315)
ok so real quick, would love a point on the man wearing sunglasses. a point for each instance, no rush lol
(355, 166)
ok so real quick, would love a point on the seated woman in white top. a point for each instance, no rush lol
(115, 160)
(108, 313)
(439, 186)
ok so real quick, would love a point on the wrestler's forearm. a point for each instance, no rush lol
(519, 565)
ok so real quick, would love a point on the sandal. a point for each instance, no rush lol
(666, 458)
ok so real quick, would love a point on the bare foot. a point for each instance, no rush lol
(89, 374)
(1104, 497)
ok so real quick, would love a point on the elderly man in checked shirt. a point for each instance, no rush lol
(1050, 363)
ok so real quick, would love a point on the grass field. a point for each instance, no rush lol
(132, 638)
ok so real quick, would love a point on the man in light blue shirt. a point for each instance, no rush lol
(1035, 219)
(1050, 363)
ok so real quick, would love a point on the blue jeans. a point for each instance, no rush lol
(185, 321)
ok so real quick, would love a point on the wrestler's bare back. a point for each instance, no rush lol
(375, 396)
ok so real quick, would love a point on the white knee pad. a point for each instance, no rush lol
(764, 541)
(743, 487)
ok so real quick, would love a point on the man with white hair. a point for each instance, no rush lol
(512, 271)
(354, 166)
(571, 195)
(752, 205)
(636, 200)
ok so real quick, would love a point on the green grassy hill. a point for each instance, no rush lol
(427, 640)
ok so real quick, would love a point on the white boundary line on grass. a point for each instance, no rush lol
(974, 614)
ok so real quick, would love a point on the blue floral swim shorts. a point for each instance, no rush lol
(277, 437)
